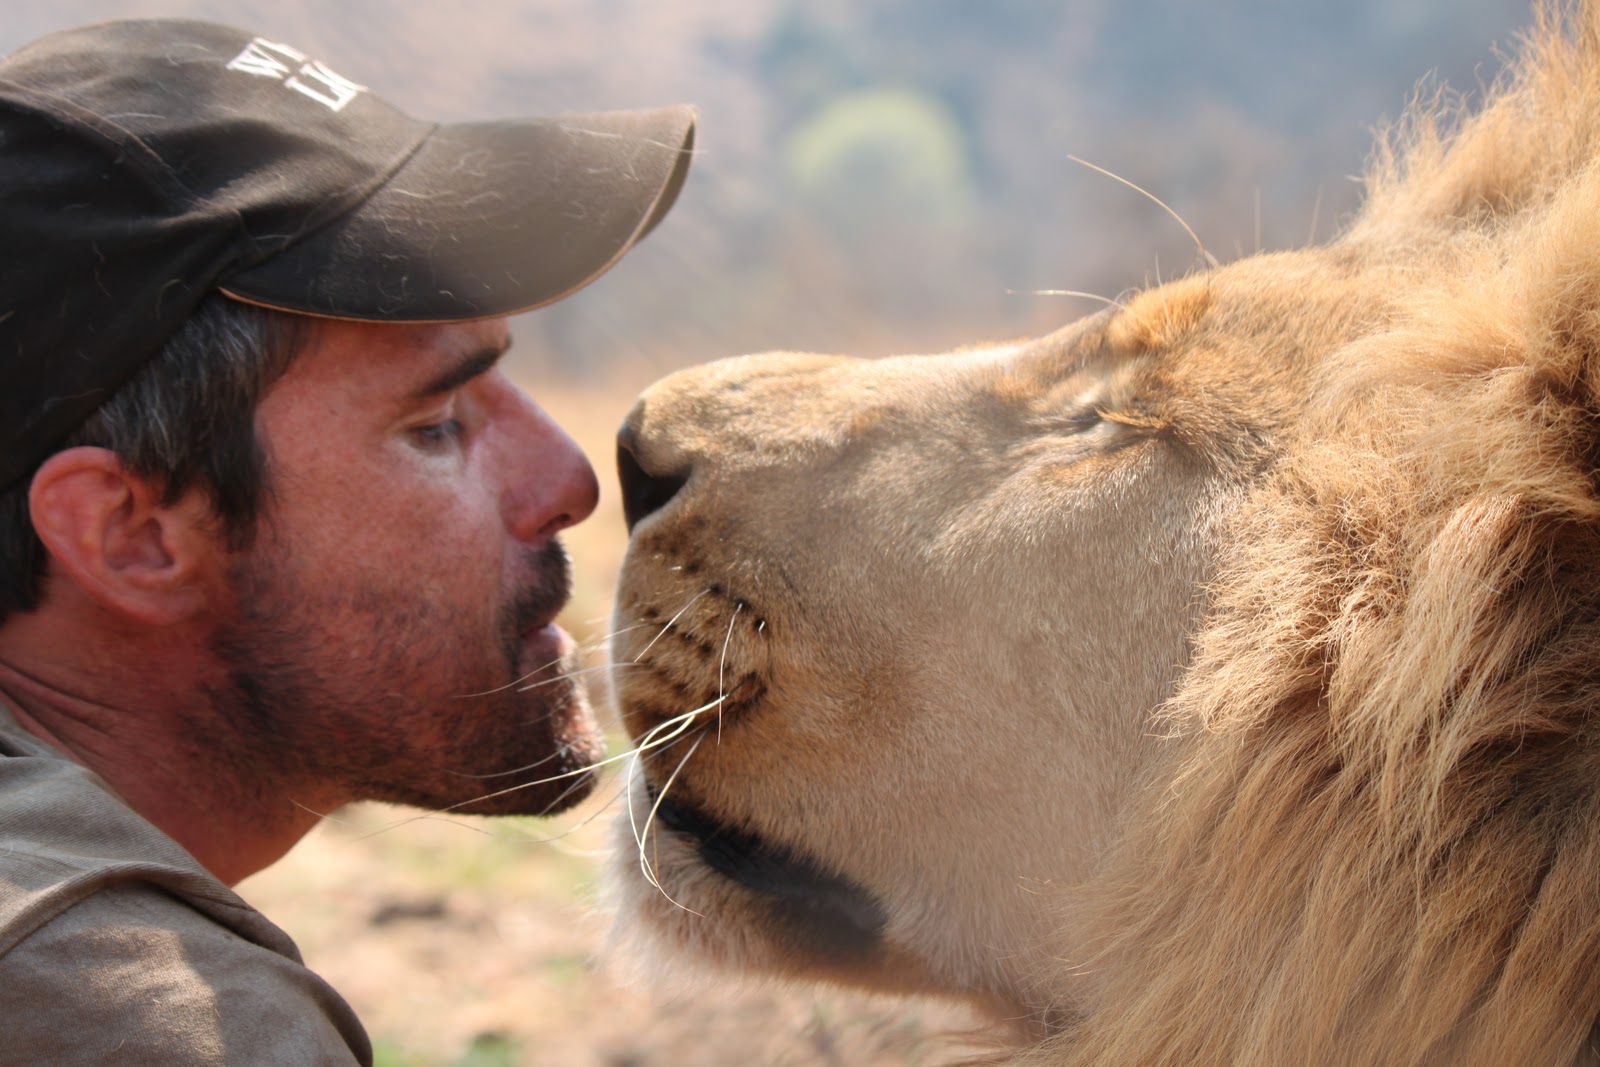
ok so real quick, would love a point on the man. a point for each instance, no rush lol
(275, 532)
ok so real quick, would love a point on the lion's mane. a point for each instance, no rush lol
(1379, 840)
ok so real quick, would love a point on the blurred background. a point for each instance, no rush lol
(873, 176)
(893, 175)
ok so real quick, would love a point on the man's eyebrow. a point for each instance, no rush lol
(467, 368)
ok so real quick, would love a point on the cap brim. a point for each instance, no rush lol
(486, 219)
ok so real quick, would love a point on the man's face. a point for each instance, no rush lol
(392, 628)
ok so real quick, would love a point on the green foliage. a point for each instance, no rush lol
(389, 1054)
(881, 157)
(485, 1050)
(490, 1050)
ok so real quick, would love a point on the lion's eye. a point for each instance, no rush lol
(1080, 421)
(1075, 404)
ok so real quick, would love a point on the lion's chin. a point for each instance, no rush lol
(703, 892)
(837, 921)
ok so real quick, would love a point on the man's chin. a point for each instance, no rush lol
(535, 799)
(564, 772)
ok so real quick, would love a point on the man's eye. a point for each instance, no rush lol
(438, 434)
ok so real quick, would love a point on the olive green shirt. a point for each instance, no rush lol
(117, 947)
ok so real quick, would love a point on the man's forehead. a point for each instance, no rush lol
(385, 364)
(415, 347)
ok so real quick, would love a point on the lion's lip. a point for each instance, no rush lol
(834, 915)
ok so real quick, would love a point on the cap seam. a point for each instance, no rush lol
(319, 222)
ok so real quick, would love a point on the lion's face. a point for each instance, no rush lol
(920, 611)
(1214, 681)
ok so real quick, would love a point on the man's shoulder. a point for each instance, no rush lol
(65, 836)
(117, 946)
(133, 975)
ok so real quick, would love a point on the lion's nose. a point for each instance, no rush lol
(642, 491)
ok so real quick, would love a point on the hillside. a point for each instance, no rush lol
(893, 175)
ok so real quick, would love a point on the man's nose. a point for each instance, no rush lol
(550, 483)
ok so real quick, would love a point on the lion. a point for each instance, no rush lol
(1213, 681)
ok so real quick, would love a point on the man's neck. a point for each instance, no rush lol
(143, 723)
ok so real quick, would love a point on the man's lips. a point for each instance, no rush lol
(546, 647)
(543, 592)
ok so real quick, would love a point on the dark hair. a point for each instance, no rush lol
(186, 419)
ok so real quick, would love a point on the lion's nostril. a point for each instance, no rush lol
(643, 492)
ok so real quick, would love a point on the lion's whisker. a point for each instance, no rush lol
(674, 728)
(682, 721)
(600, 809)
(574, 674)
(665, 629)
(644, 860)
(558, 754)
(596, 645)
(513, 683)
(522, 769)
(633, 822)
(648, 740)
(722, 689)
(1108, 301)
(599, 643)
(1207, 256)
(1258, 218)
(580, 824)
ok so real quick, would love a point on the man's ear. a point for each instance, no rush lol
(107, 531)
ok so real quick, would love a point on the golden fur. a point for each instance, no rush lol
(1213, 682)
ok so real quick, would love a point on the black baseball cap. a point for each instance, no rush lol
(147, 163)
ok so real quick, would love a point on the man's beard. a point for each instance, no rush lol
(383, 695)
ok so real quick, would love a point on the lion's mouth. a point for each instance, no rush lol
(829, 914)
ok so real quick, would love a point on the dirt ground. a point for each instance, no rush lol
(481, 943)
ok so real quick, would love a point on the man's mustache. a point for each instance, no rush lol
(547, 592)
